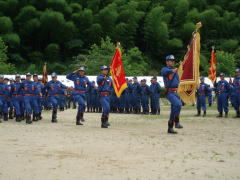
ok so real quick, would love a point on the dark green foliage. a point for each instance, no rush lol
(64, 32)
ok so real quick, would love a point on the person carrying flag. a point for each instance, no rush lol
(171, 82)
(104, 87)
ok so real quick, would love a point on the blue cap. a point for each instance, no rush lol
(17, 76)
(143, 80)
(134, 77)
(28, 74)
(237, 70)
(6, 79)
(170, 58)
(1, 76)
(54, 74)
(202, 77)
(154, 77)
(11, 79)
(222, 74)
(81, 68)
(103, 67)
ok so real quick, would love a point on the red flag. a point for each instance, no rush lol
(212, 73)
(45, 75)
(117, 72)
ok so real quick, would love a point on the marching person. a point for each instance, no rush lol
(105, 87)
(155, 96)
(236, 93)
(80, 85)
(203, 91)
(29, 88)
(37, 98)
(171, 82)
(17, 97)
(4, 92)
(223, 90)
(54, 90)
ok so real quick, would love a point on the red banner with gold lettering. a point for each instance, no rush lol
(117, 72)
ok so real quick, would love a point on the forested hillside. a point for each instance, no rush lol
(63, 33)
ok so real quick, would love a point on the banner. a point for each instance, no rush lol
(189, 70)
(44, 74)
(117, 72)
(212, 73)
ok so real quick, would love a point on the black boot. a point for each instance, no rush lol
(34, 118)
(204, 113)
(74, 106)
(237, 114)
(220, 114)
(198, 113)
(54, 116)
(10, 115)
(104, 120)
(18, 118)
(28, 119)
(158, 111)
(226, 114)
(78, 118)
(40, 116)
(5, 116)
(170, 128)
(81, 117)
(177, 123)
(107, 123)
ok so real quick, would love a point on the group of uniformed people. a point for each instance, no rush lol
(26, 98)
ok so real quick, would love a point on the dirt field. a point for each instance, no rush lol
(134, 147)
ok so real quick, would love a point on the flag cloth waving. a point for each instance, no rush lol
(189, 70)
(117, 72)
(44, 74)
(212, 73)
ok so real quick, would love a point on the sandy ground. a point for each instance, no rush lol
(134, 147)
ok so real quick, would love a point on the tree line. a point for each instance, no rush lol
(67, 33)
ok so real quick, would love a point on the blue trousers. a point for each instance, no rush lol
(176, 105)
(136, 101)
(155, 101)
(18, 104)
(36, 104)
(201, 103)
(29, 103)
(145, 103)
(3, 104)
(236, 101)
(55, 102)
(222, 102)
(122, 101)
(81, 101)
(105, 104)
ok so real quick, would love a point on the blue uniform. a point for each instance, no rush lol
(223, 90)
(17, 98)
(80, 85)
(104, 88)
(29, 89)
(203, 91)
(171, 81)
(155, 96)
(4, 93)
(54, 90)
(236, 93)
(145, 92)
(136, 94)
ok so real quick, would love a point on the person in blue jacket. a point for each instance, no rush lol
(136, 92)
(81, 82)
(54, 90)
(145, 93)
(17, 97)
(155, 96)
(104, 87)
(29, 89)
(4, 93)
(236, 93)
(9, 98)
(223, 90)
(171, 82)
(37, 98)
(202, 92)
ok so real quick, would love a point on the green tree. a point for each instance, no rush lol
(6, 25)
(225, 63)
